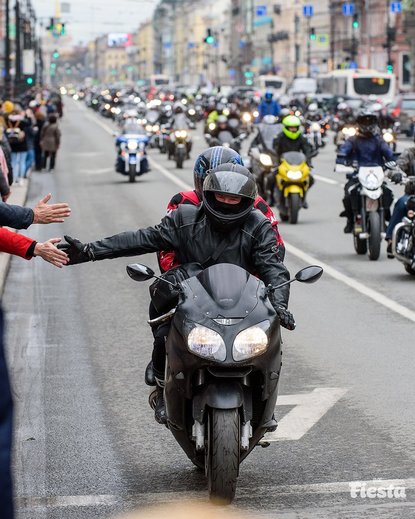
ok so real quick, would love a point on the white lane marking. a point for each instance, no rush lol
(338, 487)
(353, 283)
(104, 126)
(350, 282)
(309, 409)
(100, 171)
(169, 175)
(326, 180)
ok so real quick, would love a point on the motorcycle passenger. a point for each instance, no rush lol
(406, 163)
(224, 229)
(367, 148)
(268, 106)
(291, 139)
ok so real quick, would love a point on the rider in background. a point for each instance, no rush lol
(268, 106)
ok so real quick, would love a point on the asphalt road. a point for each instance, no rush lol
(86, 444)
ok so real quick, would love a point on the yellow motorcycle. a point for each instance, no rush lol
(292, 182)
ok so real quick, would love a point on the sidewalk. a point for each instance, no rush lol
(18, 197)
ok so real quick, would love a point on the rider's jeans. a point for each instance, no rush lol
(399, 212)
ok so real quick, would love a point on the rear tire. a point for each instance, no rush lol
(360, 246)
(375, 238)
(223, 454)
(294, 204)
(131, 173)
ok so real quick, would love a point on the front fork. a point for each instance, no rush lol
(362, 226)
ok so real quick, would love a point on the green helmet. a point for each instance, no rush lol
(291, 121)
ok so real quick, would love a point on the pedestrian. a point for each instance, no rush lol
(40, 122)
(31, 135)
(50, 139)
(20, 217)
(16, 132)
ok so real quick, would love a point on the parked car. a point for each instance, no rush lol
(403, 109)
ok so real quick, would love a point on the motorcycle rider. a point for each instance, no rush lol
(222, 125)
(207, 160)
(224, 229)
(268, 106)
(406, 163)
(267, 130)
(367, 148)
(291, 139)
(180, 121)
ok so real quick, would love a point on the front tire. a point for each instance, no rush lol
(179, 159)
(375, 238)
(410, 270)
(294, 204)
(131, 173)
(222, 458)
(360, 246)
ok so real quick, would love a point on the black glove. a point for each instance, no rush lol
(286, 318)
(78, 252)
(396, 177)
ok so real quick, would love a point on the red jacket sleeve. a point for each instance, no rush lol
(16, 244)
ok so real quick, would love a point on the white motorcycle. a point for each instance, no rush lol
(369, 220)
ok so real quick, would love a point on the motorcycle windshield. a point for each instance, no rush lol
(225, 136)
(226, 287)
(295, 158)
(269, 133)
(133, 129)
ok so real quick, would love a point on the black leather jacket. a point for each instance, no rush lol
(188, 232)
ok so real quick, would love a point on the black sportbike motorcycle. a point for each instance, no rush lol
(223, 363)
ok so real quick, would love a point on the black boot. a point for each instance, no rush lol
(349, 226)
(149, 376)
(389, 252)
(156, 401)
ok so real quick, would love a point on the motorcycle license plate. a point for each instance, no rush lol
(371, 205)
(132, 159)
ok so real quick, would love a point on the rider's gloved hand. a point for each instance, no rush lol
(286, 318)
(77, 251)
(396, 177)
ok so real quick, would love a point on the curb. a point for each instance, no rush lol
(18, 197)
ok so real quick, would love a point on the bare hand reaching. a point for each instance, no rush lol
(50, 253)
(53, 213)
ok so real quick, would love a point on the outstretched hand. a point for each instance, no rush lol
(50, 253)
(76, 250)
(53, 213)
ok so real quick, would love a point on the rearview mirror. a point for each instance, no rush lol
(139, 272)
(309, 274)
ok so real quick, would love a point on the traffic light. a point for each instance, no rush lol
(355, 22)
(29, 80)
(389, 67)
(312, 34)
(55, 54)
(209, 37)
(249, 75)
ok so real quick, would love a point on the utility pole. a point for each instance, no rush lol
(18, 48)
(7, 77)
(390, 38)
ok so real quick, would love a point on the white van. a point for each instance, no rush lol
(275, 84)
(303, 85)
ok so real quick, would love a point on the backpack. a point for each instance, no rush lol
(15, 135)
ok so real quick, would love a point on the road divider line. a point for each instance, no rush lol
(353, 283)
(332, 272)
(340, 487)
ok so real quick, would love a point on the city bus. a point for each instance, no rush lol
(275, 84)
(358, 83)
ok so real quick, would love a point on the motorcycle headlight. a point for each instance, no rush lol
(226, 112)
(250, 343)
(255, 113)
(294, 175)
(315, 127)
(265, 160)
(387, 137)
(246, 117)
(181, 134)
(371, 182)
(132, 145)
(206, 343)
(192, 111)
(149, 128)
(212, 126)
(156, 128)
(107, 106)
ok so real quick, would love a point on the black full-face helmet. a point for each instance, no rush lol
(368, 124)
(211, 159)
(231, 180)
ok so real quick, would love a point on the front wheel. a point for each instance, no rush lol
(294, 204)
(360, 246)
(222, 458)
(410, 270)
(179, 158)
(131, 173)
(375, 238)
